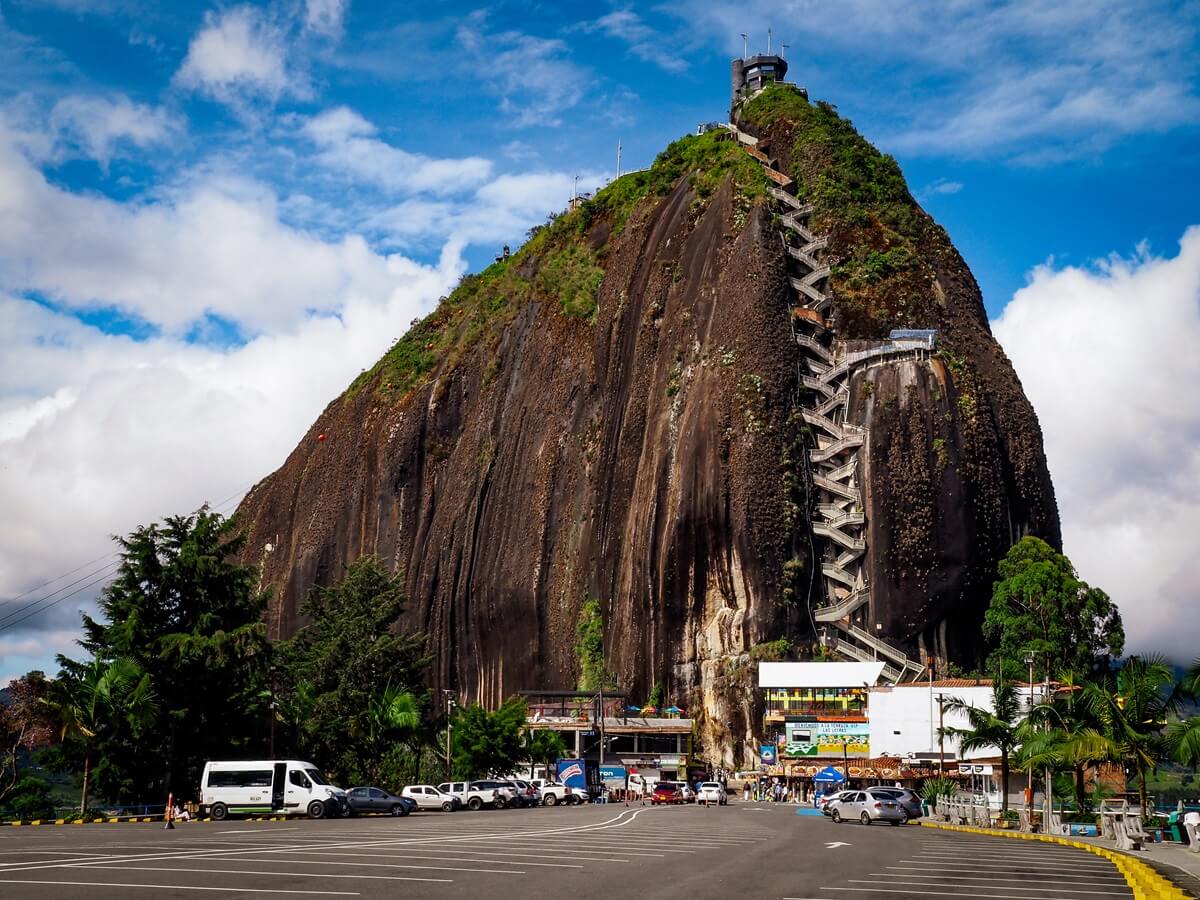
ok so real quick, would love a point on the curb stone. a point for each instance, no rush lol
(1145, 882)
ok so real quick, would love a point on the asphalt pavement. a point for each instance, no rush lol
(580, 853)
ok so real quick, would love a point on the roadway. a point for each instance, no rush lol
(581, 853)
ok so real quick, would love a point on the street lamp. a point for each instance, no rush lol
(449, 695)
(1028, 768)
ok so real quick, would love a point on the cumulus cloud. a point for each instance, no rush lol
(100, 433)
(1107, 354)
(239, 55)
(348, 145)
(210, 246)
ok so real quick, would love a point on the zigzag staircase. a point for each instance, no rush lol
(839, 520)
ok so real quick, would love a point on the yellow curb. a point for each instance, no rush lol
(1145, 882)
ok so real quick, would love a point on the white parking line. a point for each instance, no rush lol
(183, 887)
(425, 855)
(1114, 878)
(292, 874)
(1021, 866)
(950, 882)
(928, 893)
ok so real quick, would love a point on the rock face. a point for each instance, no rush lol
(645, 452)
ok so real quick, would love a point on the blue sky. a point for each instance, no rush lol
(213, 215)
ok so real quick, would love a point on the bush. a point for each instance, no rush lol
(573, 276)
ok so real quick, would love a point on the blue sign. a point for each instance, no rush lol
(767, 754)
(615, 774)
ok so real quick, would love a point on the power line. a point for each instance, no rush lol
(36, 601)
(54, 603)
(7, 621)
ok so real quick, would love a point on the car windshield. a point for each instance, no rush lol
(316, 776)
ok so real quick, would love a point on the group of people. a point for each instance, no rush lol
(775, 791)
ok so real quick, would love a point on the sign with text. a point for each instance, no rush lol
(827, 738)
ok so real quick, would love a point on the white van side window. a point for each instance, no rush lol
(299, 779)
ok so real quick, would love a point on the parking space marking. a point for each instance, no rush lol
(1116, 878)
(928, 893)
(950, 882)
(295, 874)
(521, 862)
(185, 887)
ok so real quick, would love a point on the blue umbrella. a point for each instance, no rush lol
(829, 775)
(633, 709)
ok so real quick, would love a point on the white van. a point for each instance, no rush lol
(268, 787)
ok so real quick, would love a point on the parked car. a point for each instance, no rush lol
(376, 800)
(712, 792)
(491, 793)
(426, 796)
(909, 801)
(554, 793)
(529, 793)
(867, 807)
(471, 795)
(824, 803)
(665, 792)
(687, 792)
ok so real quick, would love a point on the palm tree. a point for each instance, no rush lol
(104, 697)
(1183, 740)
(1000, 728)
(1132, 710)
(392, 714)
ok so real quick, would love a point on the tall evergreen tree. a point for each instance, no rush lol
(191, 616)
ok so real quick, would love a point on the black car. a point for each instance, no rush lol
(376, 800)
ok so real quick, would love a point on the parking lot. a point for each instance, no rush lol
(584, 852)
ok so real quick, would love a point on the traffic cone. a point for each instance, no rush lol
(169, 815)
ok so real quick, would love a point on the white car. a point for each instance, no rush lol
(426, 796)
(554, 793)
(685, 791)
(712, 792)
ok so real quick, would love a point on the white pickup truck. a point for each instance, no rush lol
(554, 793)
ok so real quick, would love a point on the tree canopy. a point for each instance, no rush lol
(488, 743)
(1041, 605)
(190, 616)
(348, 668)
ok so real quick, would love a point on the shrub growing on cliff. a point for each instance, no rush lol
(590, 647)
(573, 276)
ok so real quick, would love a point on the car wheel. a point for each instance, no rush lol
(550, 800)
(903, 817)
(836, 816)
(218, 812)
(474, 804)
(316, 810)
(397, 809)
(448, 806)
(864, 818)
(500, 803)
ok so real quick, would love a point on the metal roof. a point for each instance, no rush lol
(818, 674)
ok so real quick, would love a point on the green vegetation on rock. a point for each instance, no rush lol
(859, 196)
(560, 262)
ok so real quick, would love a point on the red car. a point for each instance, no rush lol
(665, 793)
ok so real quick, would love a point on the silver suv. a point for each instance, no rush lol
(868, 806)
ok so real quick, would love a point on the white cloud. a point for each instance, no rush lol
(1107, 355)
(325, 16)
(214, 245)
(239, 55)
(100, 433)
(500, 210)
(1042, 81)
(349, 146)
(644, 42)
(940, 186)
(99, 126)
(534, 77)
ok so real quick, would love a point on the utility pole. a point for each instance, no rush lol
(602, 719)
(745, 46)
(449, 695)
(618, 157)
(941, 736)
(1029, 780)
(768, 42)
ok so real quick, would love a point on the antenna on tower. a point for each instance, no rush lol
(783, 49)
(618, 157)
(768, 42)
(745, 46)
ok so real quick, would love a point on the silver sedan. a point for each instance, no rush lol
(867, 807)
